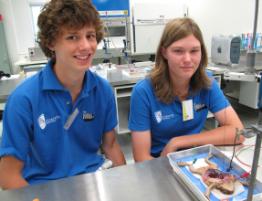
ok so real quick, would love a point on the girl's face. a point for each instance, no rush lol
(183, 58)
(75, 49)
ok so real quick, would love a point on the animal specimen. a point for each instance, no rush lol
(213, 177)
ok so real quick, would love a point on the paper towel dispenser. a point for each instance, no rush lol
(225, 49)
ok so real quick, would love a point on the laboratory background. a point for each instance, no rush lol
(125, 56)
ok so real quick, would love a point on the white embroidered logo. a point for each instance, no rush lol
(41, 121)
(158, 115)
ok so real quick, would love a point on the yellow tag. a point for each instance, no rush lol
(187, 110)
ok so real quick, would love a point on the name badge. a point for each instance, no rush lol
(88, 116)
(187, 110)
(71, 119)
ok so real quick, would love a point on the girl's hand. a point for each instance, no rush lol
(171, 146)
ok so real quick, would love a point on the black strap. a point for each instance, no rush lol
(1, 114)
(3, 74)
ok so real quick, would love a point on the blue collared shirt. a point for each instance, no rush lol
(34, 128)
(165, 120)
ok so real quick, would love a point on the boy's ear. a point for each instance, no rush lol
(51, 47)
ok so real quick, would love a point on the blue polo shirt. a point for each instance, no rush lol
(54, 137)
(164, 121)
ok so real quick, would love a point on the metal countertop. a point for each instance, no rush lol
(147, 181)
(7, 86)
(115, 78)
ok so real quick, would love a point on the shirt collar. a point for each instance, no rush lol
(90, 82)
(50, 81)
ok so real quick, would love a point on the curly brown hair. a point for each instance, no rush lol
(73, 14)
(175, 30)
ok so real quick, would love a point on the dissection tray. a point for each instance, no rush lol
(195, 183)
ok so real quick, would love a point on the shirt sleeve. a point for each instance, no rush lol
(17, 126)
(111, 115)
(139, 116)
(217, 100)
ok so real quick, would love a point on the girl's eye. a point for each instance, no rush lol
(195, 51)
(178, 51)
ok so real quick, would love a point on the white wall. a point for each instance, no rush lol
(18, 27)
(224, 17)
(9, 24)
(213, 16)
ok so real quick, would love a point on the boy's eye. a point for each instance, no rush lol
(91, 36)
(72, 37)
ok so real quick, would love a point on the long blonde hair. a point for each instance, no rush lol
(175, 30)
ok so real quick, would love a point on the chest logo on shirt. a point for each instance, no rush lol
(160, 117)
(43, 122)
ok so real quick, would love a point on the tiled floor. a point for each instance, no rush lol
(125, 142)
(247, 115)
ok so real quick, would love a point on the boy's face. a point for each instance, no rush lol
(75, 49)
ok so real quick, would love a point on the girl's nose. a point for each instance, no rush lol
(187, 56)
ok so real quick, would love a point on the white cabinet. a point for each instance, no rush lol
(149, 20)
(122, 96)
(248, 95)
(4, 59)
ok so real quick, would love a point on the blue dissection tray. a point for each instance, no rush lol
(195, 184)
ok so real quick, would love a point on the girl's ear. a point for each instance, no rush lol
(163, 52)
